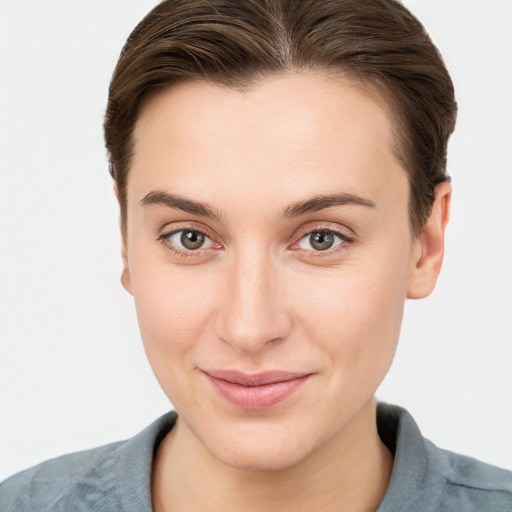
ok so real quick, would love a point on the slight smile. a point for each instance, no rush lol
(255, 391)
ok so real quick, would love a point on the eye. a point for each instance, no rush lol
(321, 240)
(187, 240)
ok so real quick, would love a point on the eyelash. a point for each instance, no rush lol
(164, 237)
(344, 240)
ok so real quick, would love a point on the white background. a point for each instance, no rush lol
(72, 369)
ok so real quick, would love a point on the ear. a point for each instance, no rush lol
(126, 280)
(429, 246)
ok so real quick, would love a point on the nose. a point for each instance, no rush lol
(253, 314)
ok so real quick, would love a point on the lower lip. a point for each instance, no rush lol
(257, 397)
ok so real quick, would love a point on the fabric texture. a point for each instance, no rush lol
(116, 477)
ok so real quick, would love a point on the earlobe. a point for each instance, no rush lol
(126, 280)
(428, 252)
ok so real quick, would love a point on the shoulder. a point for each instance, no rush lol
(114, 477)
(429, 479)
(467, 480)
(58, 484)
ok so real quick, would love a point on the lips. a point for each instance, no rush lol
(255, 391)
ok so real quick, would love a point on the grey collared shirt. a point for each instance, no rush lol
(116, 477)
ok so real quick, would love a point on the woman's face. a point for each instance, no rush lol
(269, 251)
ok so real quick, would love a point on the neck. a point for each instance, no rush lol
(350, 472)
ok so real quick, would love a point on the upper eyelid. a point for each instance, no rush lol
(344, 240)
(167, 231)
(340, 233)
(346, 234)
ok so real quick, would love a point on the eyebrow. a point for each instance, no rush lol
(326, 201)
(318, 203)
(160, 198)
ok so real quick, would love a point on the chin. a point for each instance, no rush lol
(261, 460)
(271, 450)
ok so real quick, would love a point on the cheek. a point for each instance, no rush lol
(172, 309)
(355, 314)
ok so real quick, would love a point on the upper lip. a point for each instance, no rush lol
(255, 379)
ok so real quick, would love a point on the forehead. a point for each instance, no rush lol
(297, 133)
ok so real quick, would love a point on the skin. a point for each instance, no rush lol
(257, 296)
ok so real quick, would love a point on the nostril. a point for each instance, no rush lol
(253, 335)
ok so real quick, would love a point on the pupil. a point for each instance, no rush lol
(192, 239)
(321, 241)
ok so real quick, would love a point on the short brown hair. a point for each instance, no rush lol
(236, 43)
